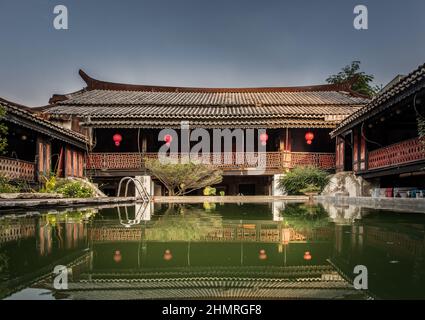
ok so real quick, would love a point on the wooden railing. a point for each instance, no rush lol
(17, 169)
(225, 161)
(397, 154)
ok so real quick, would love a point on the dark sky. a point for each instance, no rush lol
(201, 43)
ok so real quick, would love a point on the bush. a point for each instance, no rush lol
(210, 191)
(6, 187)
(75, 189)
(68, 188)
(306, 178)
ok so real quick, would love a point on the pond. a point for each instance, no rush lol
(275, 250)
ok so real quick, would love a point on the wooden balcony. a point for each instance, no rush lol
(17, 169)
(397, 154)
(226, 161)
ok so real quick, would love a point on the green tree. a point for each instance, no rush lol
(361, 82)
(3, 131)
(182, 178)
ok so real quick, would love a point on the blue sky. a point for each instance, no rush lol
(201, 43)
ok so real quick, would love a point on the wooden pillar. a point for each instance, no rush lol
(80, 164)
(339, 154)
(43, 158)
(356, 150)
(68, 162)
(362, 153)
(59, 170)
(75, 164)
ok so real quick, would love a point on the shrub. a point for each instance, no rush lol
(210, 191)
(68, 188)
(303, 177)
(6, 187)
(75, 189)
(222, 193)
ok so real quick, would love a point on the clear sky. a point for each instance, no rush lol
(201, 43)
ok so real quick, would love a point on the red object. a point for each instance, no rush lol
(307, 255)
(309, 136)
(117, 256)
(167, 255)
(117, 139)
(168, 138)
(262, 255)
(263, 138)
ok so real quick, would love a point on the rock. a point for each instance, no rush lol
(348, 184)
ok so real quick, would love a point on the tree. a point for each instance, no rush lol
(3, 131)
(182, 178)
(361, 82)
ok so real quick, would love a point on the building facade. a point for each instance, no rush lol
(123, 123)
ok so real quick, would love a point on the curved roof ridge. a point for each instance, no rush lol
(94, 84)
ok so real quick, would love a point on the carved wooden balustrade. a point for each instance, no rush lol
(397, 154)
(225, 161)
(17, 169)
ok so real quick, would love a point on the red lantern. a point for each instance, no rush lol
(117, 139)
(167, 255)
(168, 138)
(117, 256)
(307, 255)
(262, 255)
(309, 136)
(263, 138)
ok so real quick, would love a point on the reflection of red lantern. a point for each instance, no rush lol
(309, 136)
(307, 255)
(167, 255)
(262, 255)
(263, 138)
(168, 138)
(117, 256)
(117, 139)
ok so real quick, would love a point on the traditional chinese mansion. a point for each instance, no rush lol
(106, 130)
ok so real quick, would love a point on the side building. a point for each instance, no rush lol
(381, 142)
(37, 147)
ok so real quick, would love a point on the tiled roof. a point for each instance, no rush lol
(18, 114)
(405, 87)
(104, 100)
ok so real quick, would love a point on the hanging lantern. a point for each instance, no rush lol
(168, 138)
(117, 256)
(309, 136)
(307, 255)
(167, 255)
(263, 138)
(262, 255)
(117, 139)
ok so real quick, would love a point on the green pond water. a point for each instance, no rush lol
(273, 250)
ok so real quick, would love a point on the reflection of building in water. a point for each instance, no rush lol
(250, 230)
(232, 263)
(277, 208)
(16, 229)
(66, 234)
(343, 214)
